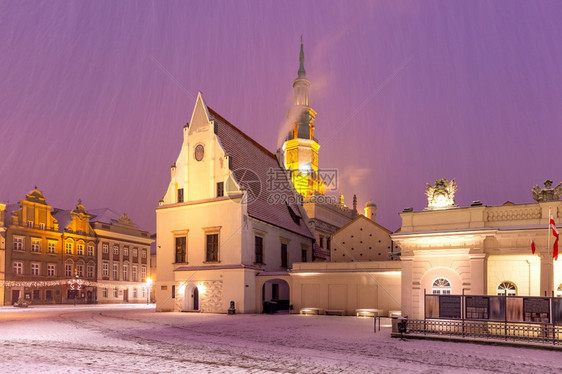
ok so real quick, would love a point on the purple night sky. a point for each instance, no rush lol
(94, 94)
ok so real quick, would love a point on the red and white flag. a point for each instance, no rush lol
(557, 236)
(533, 248)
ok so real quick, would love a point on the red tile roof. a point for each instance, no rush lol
(275, 204)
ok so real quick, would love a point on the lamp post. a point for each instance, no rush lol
(148, 286)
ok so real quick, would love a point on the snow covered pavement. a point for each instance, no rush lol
(135, 339)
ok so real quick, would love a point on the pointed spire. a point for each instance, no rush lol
(302, 72)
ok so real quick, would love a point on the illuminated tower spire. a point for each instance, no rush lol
(300, 148)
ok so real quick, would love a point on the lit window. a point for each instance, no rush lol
(52, 247)
(68, 248)
(34, 269)
(181, 249)
(441, 286)
(42, 226)
(51, 270)
(35, 245)
(18, 267)
(507, 288)
(30, 224)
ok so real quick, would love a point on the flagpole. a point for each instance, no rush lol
(548, 249)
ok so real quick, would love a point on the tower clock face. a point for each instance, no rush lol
(199, 152)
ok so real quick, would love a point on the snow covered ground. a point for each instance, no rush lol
(135, 339)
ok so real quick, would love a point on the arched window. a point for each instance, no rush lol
(441, 286)
(559, 291)
(508, 288)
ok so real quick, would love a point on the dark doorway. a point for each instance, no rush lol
(89, 296)
(15, 296)
(195, 299)
(126, 295)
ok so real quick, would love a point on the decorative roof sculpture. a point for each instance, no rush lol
(442, 194)
(547, 193)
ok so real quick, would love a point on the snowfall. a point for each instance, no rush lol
(136, 339)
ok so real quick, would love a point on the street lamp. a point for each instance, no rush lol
(148, 286)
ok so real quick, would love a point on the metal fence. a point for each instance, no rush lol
(536, 333)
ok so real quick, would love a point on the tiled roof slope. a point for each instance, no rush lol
(248, 154)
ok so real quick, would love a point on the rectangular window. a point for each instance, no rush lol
(284, 255)
(328, 243)
(80, 270)
(134, 274)
(105, 247)
(144, 292)
(258, 249)
(116, 250)
(125, 272)
(51, 270)
(303, 254)
(143, 273)
(90, 250)
(30, 224)
(143, 253)
(115, 272)
(105, 292)
(68, 248)
(105, 269)
(90, 270)
(115, 293)
(34, 269)
(180, 195)
(68, 270)
(80, 249)
(212, 248)
(173, 292)
(18, 267)
(220, 189)
(52, 247)
(18, 244)
(126, 251)
(36, 294)
(42, 226)
(181, 246)
(135, 252)
(135, 293)
(321, 241)
(35, 245)
(49, 294)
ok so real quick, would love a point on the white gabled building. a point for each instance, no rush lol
(227, 229)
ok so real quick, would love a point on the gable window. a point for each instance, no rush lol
(507, 288)
(18, 267)
(441, 286)
(212, 254)
(181, 249)
(220, 189)
(258, 249)
(35, 245)
(180, 195)
(284, 255)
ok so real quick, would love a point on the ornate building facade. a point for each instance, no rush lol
(479, 250)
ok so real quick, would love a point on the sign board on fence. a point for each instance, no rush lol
(477, 307)
(449, 306)
(536, 309)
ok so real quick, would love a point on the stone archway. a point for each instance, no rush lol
(191, 301)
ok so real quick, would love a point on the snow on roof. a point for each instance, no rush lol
(247, 154)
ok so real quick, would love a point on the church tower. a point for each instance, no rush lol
(300, 149)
